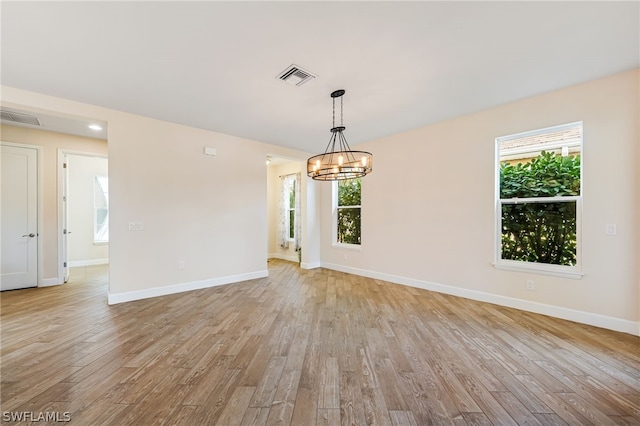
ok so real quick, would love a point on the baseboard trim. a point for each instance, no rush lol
(289, 257)
(129, 296)
(303, 265)
(310, 265)
(596, 320)
(89, 262)
(48, 282)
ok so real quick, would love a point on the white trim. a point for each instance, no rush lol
(40, 214)
(561, 199)
(303, 265)
(115, 298)
(89, 262)
(537, 132)
(572, 272)
(516, 153)
(310, 265)
(289, 257)
(345, 246)
(49, 282)
(597, 320)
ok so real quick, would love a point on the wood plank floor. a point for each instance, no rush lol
(314, 347)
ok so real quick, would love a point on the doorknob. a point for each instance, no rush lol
(31, 235)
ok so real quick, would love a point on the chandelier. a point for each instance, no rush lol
(339, 161)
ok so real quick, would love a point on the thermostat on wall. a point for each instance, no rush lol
(209, 151)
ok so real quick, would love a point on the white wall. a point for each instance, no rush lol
(428, 207)
(311, 230)
(82, 250)
(207, 211)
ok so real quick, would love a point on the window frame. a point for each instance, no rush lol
(565, 271)
(291, 189)
(335, 208)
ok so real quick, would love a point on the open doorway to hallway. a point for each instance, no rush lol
(85, 204)
(284, 204)
(293, 212)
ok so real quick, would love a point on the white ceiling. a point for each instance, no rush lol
(404, 65)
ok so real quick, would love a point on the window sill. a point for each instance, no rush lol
(351, 247)
(552, 270)
(101, 243)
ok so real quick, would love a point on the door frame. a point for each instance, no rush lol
(39, 208)
(61, 189)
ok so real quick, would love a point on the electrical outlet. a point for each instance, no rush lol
(531, 285)
(180, 264)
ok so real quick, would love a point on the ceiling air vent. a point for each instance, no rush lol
(295, 75)
(19, 117)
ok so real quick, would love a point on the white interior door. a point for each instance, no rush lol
(19, 217)
(65, 217)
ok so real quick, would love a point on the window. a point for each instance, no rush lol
(348, 211)
(539, 199)
(289, 221)
(100, 209)
(291, 210)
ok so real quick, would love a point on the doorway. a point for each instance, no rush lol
(84, 196)
(284, 205)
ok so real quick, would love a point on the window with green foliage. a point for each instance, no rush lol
(348, 211)
(539, 197)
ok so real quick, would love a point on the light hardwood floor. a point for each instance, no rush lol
(304, 348)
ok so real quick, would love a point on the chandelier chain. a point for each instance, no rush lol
(334, 112)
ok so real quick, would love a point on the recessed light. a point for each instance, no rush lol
(95, 127)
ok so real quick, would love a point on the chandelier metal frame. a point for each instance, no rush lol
(339, 161)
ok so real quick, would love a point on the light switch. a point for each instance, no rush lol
(135, 226)
(610, 230)
(209, 151)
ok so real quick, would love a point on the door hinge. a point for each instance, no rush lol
(64, 165)
(65, 264)
(64, 232)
